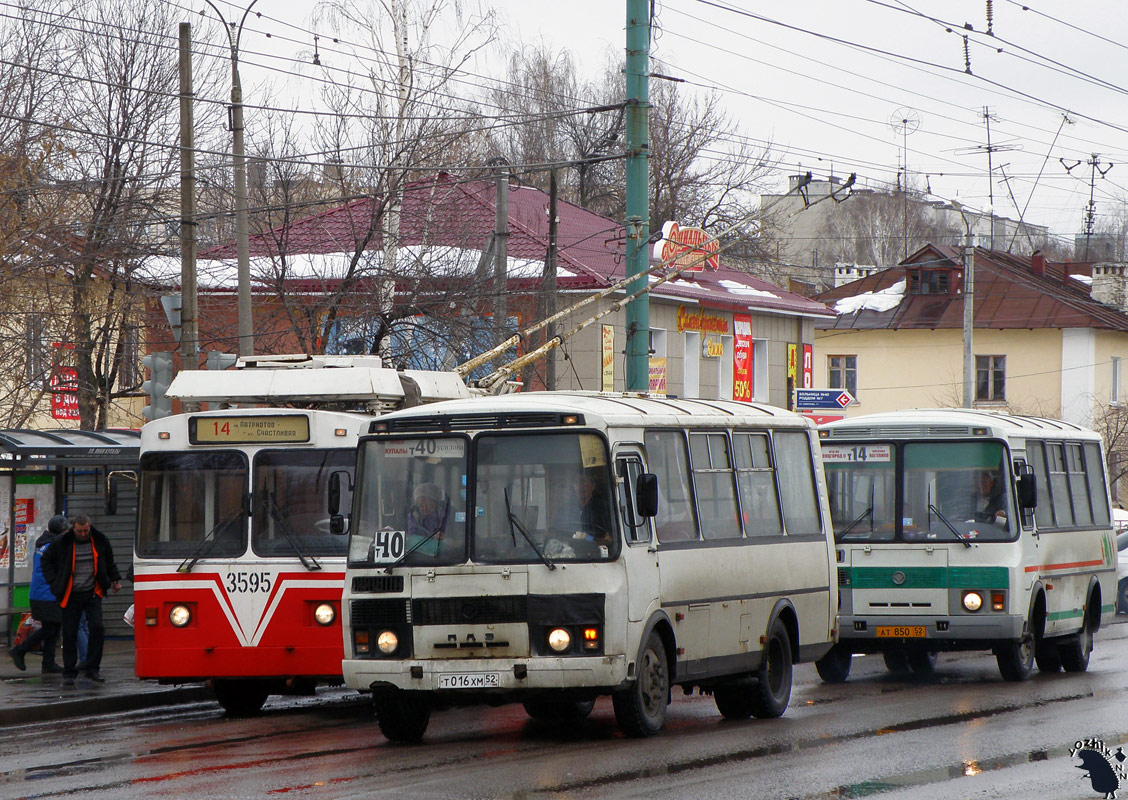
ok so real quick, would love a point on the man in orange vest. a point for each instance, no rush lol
(79, 567)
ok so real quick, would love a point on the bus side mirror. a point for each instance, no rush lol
(335, 491)
(646, 494)
(1027, 487)
(337, 525)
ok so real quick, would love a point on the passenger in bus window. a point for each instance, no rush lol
(990, 504)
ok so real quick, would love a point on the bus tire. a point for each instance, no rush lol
(834, 667)
(402, 717)
(1016, 659)
(640, 709)
(734, 700)
(1047, 657)
(559, 710)
(922, 662)
(773, 688)
(897, 661)
(1075, 650)
(240, 698)
(1122, 597)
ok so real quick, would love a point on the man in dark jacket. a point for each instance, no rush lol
(79, 566)
(44, 605)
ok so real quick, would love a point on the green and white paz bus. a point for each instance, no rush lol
(968, 530)
(552, 547)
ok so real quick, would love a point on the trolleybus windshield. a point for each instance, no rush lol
(291, 502)
(192, 505)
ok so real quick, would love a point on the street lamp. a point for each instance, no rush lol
(242, 246)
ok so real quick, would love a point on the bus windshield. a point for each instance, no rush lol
(291, 515)
(957, 489)
(861, 481)
(538, 498)
(192, 505)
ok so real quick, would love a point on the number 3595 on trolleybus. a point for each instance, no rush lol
(549, 548)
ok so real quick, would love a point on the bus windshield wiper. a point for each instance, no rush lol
(849, 528)
(308, 561)
(206, 544)
(959, 537)
(438, 529)
(515, 522)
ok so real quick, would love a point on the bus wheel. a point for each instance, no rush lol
(1075, 650)
(1047, 657)
(559, 710)
(897, 661)
(735, 700)
(834, 667)
(1122, 597)
(402, 717)
(1016, 659)
(240, 698)
(922, 662)
(773, 692)
(640, 710)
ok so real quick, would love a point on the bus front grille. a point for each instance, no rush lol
(469, 610)
(369, 613)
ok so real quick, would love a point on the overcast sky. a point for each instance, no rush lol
(831, 83)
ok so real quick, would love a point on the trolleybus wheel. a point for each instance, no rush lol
(922, 662)
(240, 698)
(896, 661)
(403, 717)
(834, 667)
(559, 710)
(1074, 652)
(1016, 659)
(773, 691)
(640, 710)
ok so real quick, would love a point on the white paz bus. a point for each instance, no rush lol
(549, 548)
(968, 530)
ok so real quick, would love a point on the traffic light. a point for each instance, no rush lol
(220, 360)
(160, 377)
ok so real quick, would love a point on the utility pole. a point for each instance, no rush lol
(550, 282)
(968, 321)
(501, 251)
(239, 163)
(638, 193)
(189, 319)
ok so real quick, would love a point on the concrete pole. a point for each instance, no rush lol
(550, 283)
(968, 322)
(501, 253)
(638, 193)
(189, 316)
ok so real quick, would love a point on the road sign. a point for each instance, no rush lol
(822, 398)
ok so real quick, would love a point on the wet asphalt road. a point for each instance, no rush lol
(963, 734)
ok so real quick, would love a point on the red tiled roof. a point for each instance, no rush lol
(449, 211)
(1007, 295)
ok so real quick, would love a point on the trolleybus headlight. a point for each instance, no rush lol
(972, 601)
(179, 616)
(324, 614)
(387, 641)
(559, 639)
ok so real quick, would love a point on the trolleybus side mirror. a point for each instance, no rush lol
(1027, 486)
(646, 494)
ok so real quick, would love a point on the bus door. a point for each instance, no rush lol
(639, 554)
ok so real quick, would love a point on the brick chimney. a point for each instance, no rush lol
(1110, 285)
(1038, 263)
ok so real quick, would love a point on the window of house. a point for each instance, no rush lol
(842, 373)
(930, 281)
(1114, 380)
(130, 375)
(991, 378)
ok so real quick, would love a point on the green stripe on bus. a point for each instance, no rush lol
(1060, 615)
(929, 577)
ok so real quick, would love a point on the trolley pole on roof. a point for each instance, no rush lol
(638, 193)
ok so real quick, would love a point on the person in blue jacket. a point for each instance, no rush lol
(44, 605)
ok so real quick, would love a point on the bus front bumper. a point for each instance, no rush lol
(491, 676)
(875, 634)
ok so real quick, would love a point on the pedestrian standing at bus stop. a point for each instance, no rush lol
(44, 605)
(80, 568)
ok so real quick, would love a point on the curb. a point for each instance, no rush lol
(90, 706)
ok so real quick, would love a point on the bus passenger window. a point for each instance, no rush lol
(676, 520)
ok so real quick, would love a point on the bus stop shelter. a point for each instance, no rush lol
(65, 471)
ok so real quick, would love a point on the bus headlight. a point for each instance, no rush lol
(179, 616)
(387, 642)
(559, 640)
(324, 614)
(972, 601)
